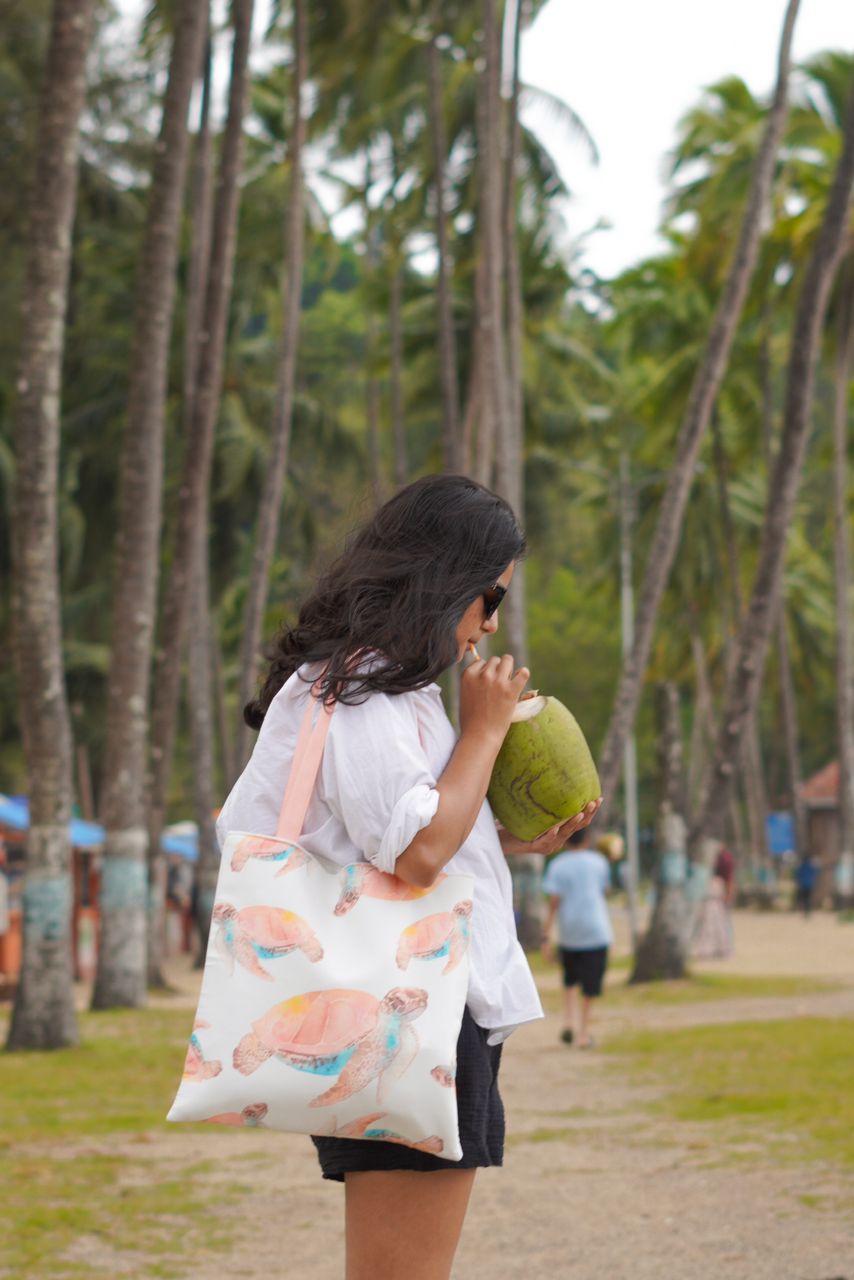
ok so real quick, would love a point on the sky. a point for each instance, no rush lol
(630, 69)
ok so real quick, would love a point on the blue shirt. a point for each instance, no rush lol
(580, 878)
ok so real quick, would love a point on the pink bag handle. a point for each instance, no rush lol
(303, 774)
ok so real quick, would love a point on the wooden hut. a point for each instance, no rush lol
(820, 795)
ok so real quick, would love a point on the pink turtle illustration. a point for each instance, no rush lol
(195, 1066)
(261, 933)
(363, 878)
(339, 1032)
(445, 1076)
(367, 1127)
(268, 849)
(444, 934)
(251, 1116)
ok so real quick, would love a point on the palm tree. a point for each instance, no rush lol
(198, 448)
(451, 452)
(397, 262)
(267, 526)
(510, 465)
(201, 188)
(43, 1016)
(202, 650)
(751, 754)
(844, 364)
(704, 390)
(495, 423)
(121, 972)
(199, 680)
(745, 680)
(661, 953)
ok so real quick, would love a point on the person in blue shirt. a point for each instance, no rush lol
(806, 875)
(576, 882)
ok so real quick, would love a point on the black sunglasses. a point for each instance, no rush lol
(492, 599)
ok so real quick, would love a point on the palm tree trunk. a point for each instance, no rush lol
(704, 391)
(395, 251)
(490, 309)
(703, 722)
(788, 696)
(478, 433)
(492, 220)
(43, 1015)
(395, 327)
(789, 709)
(451, 452)
(121, 974)
(755, 791)
(223, 720)
(372, 390)
(842, 569)
(203, 666)
(201, 211)
(202, 737)
(511, 465)
(473, 409)
(743, 686)
(196, 465)
(663, 949)
(271, 502)
(372, 413)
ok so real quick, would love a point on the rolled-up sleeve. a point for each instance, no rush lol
(376, 777)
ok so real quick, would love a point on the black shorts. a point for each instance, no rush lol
(585, 968)
(481, 1119)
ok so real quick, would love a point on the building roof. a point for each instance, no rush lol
(823, 787)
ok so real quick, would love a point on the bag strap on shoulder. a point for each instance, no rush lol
(306, 763)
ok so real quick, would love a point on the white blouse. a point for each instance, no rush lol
(375, 791)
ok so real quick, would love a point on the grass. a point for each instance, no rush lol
(700, 989)
(541, 966)
(785, 1084)
(67, 1190)
(88, 1190)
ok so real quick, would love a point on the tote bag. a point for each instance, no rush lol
(332, 996)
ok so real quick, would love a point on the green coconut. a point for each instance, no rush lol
(544, 773)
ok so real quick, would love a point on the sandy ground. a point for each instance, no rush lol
(595, 1184)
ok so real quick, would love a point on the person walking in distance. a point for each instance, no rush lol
(577, 882)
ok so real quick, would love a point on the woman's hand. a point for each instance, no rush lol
(489, 692)
(553, 839)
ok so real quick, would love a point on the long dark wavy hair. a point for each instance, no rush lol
(399, 589)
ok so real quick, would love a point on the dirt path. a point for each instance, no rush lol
(595, 1184)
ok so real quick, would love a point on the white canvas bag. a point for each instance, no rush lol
(332, 996)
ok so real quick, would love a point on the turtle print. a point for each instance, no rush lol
(444, 934)
(338, 1032)
(364, 879)
(267, 849)
(251, 1116)
(366, 1127)
(262, 933)
(196, 1066)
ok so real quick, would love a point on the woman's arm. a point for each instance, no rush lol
(489, 692)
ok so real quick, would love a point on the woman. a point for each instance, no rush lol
(419, 585)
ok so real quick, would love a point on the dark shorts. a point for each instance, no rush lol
(585, 969)
(481, 1118)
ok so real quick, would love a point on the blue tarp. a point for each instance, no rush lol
(781, 833)
(15, 813)
(187, 846)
